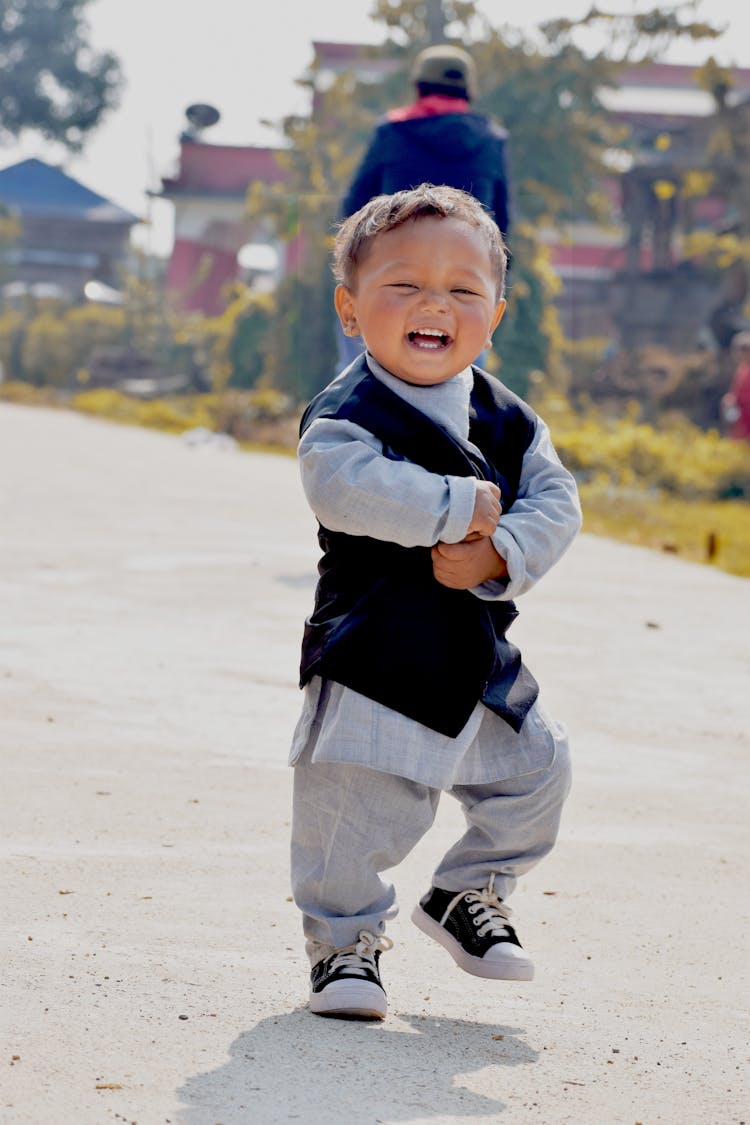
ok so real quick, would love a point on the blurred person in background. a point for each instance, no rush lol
(437, 139)
(735, 405)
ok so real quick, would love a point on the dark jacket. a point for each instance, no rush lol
(382, 625)
(463, 150)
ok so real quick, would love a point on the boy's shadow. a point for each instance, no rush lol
(299, 1067)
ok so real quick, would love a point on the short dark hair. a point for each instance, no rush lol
(424, 89)
(386, 212)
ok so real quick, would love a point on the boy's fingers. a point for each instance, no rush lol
(457, 551)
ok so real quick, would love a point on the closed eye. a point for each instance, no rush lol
(468, 292)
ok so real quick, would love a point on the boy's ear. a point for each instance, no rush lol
(344, 305)
(497, 317)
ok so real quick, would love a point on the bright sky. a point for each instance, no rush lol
(244, 59)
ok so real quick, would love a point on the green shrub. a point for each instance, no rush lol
(677, 458)
(91, 327)
(170, 415)
(47, 351)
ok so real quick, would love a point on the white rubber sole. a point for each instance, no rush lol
(502, 966)
(350, 999)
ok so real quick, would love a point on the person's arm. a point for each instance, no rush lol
(473, 562)
(501, 206)
(367, 181)
(529, 538)
(352, 487)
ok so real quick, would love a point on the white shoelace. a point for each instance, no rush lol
(490, 913)
(365, 948)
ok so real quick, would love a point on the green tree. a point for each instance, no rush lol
(423, 21)
(247, 348)
(634, 36)
(51, 81)
(47, 354)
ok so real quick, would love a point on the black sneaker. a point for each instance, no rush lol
(473, 926)
(347, 984)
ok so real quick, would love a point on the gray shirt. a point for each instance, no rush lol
(352, 487)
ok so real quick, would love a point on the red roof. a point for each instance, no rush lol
(355, 56)
(228, 169)
(677, 76)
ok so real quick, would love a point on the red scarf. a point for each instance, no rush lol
(432, 105)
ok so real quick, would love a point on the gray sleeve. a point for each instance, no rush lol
(541, 524)
(351, 486)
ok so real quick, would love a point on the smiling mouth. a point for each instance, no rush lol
(429, 339)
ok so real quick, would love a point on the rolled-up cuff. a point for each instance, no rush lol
(463, 491)
(505, 589)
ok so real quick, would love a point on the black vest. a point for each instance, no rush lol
(382, 625)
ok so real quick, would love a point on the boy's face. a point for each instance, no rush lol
(425, 302)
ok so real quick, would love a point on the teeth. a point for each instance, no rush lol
(428, 338)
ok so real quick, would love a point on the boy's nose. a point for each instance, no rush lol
(434, 300)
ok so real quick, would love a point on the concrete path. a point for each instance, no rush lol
(151, 602)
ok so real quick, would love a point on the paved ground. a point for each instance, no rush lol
(151, 601)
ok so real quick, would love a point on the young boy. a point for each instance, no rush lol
(439, 499)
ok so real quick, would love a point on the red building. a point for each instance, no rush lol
(209, 193)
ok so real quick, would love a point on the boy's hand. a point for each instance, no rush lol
(461, 566)
(487, 509)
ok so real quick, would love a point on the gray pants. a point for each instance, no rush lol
(351, 823)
